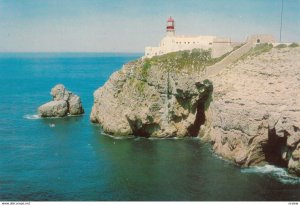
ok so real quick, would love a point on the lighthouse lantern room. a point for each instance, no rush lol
(170, 27)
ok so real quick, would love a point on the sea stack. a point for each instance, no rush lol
(64, 103)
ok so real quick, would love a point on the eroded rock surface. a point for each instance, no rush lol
(255, 113)
(151, 101)
(250, 112)
(64, 103)
(54, 109)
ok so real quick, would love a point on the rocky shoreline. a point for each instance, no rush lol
(255, 114)
(249, 110)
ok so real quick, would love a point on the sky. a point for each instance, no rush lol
(130, 25)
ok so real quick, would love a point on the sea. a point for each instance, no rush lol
(71, 159)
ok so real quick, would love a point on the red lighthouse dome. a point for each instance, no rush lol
(170, 19)
(170, 26)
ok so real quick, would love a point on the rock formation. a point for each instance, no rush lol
(249, 111)
(64, 103)
(151, 99)
(254, 117)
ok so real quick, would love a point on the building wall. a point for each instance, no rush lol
(261, 38)
(153, 51)
(169, 44)
(221, 46)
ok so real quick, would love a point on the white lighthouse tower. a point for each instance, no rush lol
(170, 27)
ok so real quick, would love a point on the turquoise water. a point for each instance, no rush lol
(70, 159)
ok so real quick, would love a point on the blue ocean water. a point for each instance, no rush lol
(70, 159)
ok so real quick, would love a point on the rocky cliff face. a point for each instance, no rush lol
(255, 112)
(249, 111)
(152, 99)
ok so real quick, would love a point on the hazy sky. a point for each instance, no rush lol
(130, 25)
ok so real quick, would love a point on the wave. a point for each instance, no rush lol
(117, 137)
(174, 138)
(32, 117)
(36, 117)
(137, 138)
(52, 125)
(165, 138)
(281, 174)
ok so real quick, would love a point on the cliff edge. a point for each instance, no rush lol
(157, 97)
(249, 110)
(255, 112)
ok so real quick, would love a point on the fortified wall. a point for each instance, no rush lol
(218, 45)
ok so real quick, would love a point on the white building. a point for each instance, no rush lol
(172, 43)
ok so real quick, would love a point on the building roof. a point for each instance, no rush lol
(170, 19)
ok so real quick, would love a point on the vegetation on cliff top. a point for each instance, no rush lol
(190, 61)
(281, 46)
(257, 50)
(265, 47)
(260, 48)
(294, 45)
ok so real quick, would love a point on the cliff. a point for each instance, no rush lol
(248, 109)
(255, 112)
(158, 97)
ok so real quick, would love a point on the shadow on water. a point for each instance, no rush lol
(145, 169)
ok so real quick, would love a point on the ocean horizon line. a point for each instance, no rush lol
(68, 54)
(71, 52)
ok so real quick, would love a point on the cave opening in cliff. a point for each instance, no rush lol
(202, 105)
(143, 130)
(274, 149)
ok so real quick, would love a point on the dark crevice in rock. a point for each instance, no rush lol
(274, 149)
(200, 120)
(202, 105)
(142, 130)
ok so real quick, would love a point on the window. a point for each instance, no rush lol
(258, 41)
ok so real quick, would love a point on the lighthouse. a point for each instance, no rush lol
(172, 43)
(170, 27)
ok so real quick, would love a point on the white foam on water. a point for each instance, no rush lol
(37, 117)
(117, 137)
(69, 115)
(52, 125)
(137, 139)
(280, 174)
(167, 138)
(32, 117)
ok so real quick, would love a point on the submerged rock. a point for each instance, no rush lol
(64, 103)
